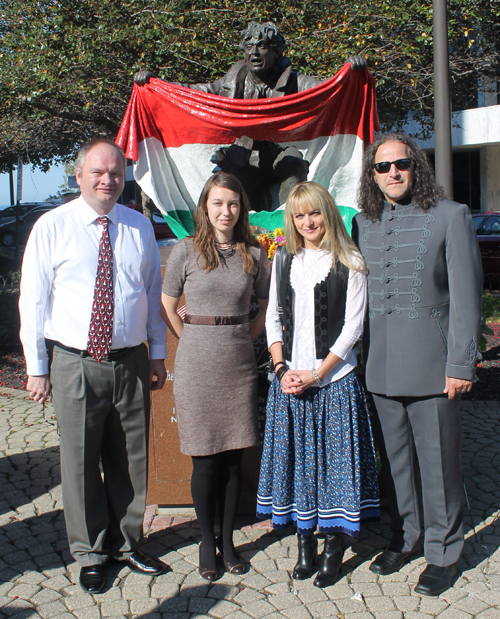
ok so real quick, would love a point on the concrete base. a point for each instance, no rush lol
(176, 512)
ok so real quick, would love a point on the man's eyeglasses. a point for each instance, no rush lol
(401, 164)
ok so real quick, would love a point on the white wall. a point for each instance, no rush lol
(478, 128)
(470, 128)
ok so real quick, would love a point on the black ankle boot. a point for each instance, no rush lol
(308, 554)
(330, 562)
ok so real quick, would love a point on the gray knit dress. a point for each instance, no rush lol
(215, 373)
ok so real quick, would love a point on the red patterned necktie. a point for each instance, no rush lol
(101, 320)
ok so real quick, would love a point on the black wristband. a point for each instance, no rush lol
(277, 364)
(282, 371)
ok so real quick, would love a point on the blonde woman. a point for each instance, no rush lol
(318, 465)
(215, 376)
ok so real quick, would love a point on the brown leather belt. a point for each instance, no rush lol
(216, 321)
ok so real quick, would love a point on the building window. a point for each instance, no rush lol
(466, 177)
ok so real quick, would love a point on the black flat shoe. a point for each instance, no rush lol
(391, 561)
(232, 568)
(92, 578)
(140, 563)
(308, 555)
(330, 562)
(434, 580)
(208, 573)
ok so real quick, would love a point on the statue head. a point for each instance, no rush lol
(262, 45)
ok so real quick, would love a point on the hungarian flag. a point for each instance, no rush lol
(172, 133)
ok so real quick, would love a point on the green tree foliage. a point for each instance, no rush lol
(66, 66)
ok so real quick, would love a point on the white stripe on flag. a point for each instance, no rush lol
(174, 177)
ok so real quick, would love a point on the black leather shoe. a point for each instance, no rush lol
(330, 562)
(92, 578)
(391, 561)
(142, 564)
(434, 579)
(308, 555)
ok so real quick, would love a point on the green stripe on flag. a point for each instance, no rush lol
(182, 224)
(271, 221)
(348, 213)
(267, 220)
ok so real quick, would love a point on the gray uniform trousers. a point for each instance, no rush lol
(102, 411)
(419, 441)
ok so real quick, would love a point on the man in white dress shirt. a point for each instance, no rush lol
(90, 291)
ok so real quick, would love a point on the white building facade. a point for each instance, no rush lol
(476, 154)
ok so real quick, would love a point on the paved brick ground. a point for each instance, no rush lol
(38, 577)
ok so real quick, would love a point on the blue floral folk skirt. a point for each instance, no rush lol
(318, 463)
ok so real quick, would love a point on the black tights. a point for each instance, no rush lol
(216, 480)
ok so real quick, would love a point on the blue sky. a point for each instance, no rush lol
(37, 186)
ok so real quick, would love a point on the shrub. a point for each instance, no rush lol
(9, 310)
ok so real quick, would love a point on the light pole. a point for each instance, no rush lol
(442, 111)
(18, 207)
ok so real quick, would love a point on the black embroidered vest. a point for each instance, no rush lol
(329, 306)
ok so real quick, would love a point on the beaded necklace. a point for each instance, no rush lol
(226, 249)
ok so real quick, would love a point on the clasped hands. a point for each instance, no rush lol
(295, 382)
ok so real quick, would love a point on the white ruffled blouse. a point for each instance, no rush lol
(310, 267)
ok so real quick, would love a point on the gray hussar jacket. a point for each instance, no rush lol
(424, 297)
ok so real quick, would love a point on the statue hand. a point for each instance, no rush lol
(357, 62)
(142, 77)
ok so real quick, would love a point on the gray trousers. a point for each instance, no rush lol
(420, 443)
(102, 411)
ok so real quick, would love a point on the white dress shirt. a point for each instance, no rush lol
(58, 279)
(309, 268)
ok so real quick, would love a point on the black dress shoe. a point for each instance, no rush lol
(330, 562)
(308, 555)
(391, 561)
(434, 579)
(142, 564)
(92, 578)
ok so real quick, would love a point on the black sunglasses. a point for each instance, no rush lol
(401, 164)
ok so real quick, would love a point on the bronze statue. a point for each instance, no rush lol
(263, 72)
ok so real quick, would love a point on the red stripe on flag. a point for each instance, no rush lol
(175, 115)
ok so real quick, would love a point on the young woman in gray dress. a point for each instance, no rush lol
(215, 375)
